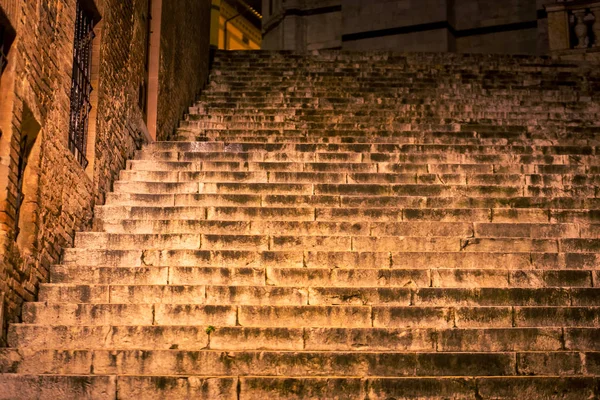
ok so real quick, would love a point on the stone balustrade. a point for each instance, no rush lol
(574, 25)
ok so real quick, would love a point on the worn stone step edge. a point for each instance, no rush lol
(301, 259)
(277, 242)
(303, 294)
(209, 337)
(249, 363)
(155, 224)
(127, 387)
(337, 277)
(455, 315)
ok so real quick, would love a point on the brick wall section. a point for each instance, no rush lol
(119, 121)
(41, 58)
(182, 55)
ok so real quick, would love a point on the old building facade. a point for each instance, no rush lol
(236, 25)
(463, 26)
(84, 84)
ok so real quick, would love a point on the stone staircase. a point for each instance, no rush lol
(341, 226)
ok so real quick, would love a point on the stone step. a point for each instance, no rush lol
(483, 311)
(183, 387)
(328, 80)
(415, 158)
(399, 138)
(494, 140)
(365, 100)
(316, 68)
(321, 83)
(330, 259)
(434, 277)
(423, 128)
(59, 293)
(359, 115)
(337, 277)
(438, 307)
(394, 61)
(407, 125)
(357, 210)
(521, 119)
(326, 76)
(547, 209)
(329, 86)
(313, 66)
(183, 149)
(67, 387)
(172, 149)
(379, 111)
(307, 228)
(421, 94)
(318, 276)
(377, 243)
(111, 275)
(357, 102)
(209, 363)
(437, 189)
(382, 102)
(173, 294)
(191, 167)
(151, 337)
(557, 181)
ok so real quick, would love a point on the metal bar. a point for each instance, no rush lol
(23, 156)
(81, 87)
(3, 55)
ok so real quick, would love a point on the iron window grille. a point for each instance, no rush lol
(81, 85)
(143, 89)
(23, 156)
(3, 49)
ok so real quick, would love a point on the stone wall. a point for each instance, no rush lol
(184, 60)
(465, 26)
(302, 25)
(489, 26)
(59, 194)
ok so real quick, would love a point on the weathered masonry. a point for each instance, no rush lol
(84, 84)
(462, 26)
(341, 226)
(313, 225)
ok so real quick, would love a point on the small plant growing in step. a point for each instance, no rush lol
(210, 329)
